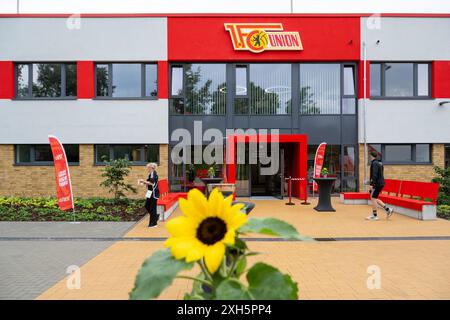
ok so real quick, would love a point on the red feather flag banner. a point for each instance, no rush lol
(318, 163)
(62, 175)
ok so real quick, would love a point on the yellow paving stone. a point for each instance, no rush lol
(347, 221)
(324, 270)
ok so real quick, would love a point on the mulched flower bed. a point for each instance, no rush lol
(94, 209)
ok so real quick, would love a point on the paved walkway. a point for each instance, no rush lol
(409, 268)
(29, 267)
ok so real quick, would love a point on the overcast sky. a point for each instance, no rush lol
(225, 6)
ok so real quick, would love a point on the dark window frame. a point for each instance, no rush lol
(415, 95)
(413, 154)
(110, 81)
(33, 162)
(141, 162)
(30, 96)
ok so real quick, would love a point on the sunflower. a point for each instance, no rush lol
(205, 228)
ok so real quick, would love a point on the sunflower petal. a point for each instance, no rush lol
(215, 203)
(237, 221)
(190, 210)
(196, 252)
(182, 227)
(229, 237)
(197, 203)
(214, 256)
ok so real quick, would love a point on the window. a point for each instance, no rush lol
(402, 153)
(320, 89)
(41, 154)
(270, 89)
(198, 89)
(137, 154)
(349, 90)
(46, 80)
(126, 80)
(400, 80)
(263, 89)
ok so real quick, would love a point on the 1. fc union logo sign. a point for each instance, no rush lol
(258, 37)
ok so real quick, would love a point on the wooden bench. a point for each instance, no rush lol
(411, 198)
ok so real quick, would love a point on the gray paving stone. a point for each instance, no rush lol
(28, 268)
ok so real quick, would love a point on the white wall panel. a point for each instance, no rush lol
(84, 121)
(59, 39)
(405, 121)
(406, 38)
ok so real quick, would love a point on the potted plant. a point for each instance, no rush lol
(324, 172)
(211, 172)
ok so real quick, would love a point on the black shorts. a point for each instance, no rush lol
(376, 191)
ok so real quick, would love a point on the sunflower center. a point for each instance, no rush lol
(211, 230)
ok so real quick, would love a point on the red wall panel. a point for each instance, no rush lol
(440, 79)
(205, 39)
(6, 80)
(85, 79)
(163, 80)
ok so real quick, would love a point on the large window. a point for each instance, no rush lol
(126, 80)
(400, 80)
(263, 89)
(41, 154)
(402, 153)
(198, 89)
(46, 80)
(323, 92)
(137, 154)
(447, 156)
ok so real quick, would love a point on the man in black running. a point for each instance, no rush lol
(376, 185)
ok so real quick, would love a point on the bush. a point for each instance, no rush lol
(443, 178)
(443, 211)
(115, 173)
(93, 209)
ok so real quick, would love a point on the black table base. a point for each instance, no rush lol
(325, 186)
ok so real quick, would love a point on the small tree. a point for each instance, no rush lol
(443, 178)
(114, 174)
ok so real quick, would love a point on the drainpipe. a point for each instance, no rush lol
(364, 114)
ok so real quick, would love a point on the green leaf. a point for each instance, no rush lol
(156, 274)
(274, 227)
(268, 283)
(241, 265)
(232, 289)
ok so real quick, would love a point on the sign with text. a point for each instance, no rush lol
(318, 163)
(62, 175)
(258, 37)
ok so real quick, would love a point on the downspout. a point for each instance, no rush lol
(364, 113)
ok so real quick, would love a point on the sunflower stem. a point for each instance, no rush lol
(205, 271)
(196, 279)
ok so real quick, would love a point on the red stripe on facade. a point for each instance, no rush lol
(326, 39)
(163, 79)
(6, 80)
(361, 79)
(440, 75)
(200, 15)
(85, 80)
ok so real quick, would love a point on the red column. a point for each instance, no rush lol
(6, 80)
(85, 80)
(163, 80)
(440, 77)
(361, 80)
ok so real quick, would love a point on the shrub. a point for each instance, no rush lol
(115, 173)
(443, 178)
(443, 211)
